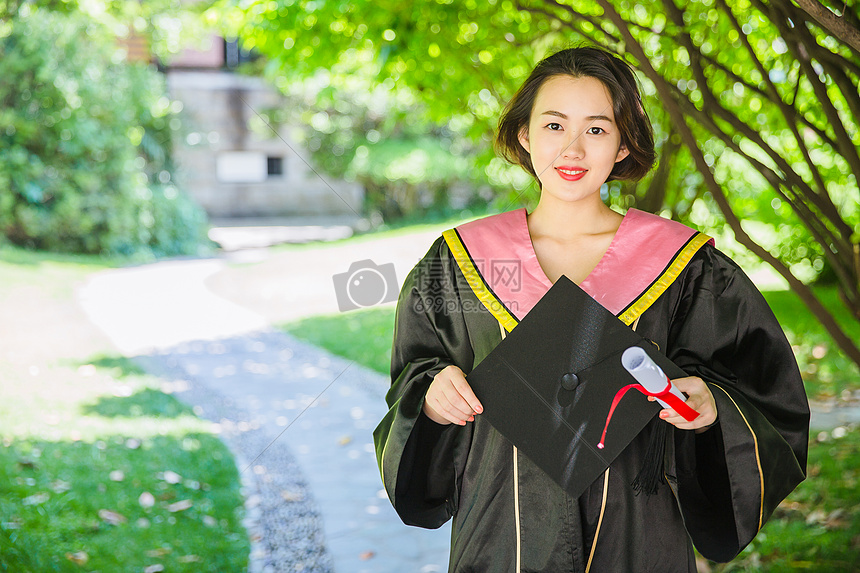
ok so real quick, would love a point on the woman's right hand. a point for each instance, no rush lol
(450, 399)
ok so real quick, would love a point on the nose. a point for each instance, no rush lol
(574, 149)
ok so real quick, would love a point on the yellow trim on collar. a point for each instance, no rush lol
(665, 280)
(476, 281)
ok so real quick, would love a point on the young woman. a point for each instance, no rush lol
(576, 123)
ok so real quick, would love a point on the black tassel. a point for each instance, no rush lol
(650, 476)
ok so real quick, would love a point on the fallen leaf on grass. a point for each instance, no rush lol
(117, 475)
(171, 477)
(112, 517)
(78, 557)
(209, 521)
(36, 498)
(26, 463)
(160, 552)
(190, 559)
(815, 517)
(836, 519)
(146, 499)
(181, 505)
(60, 486)
(157, 568)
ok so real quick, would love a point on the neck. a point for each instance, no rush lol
(570, 220)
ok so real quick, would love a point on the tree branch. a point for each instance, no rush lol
(845, 343)
(796, 114)
(834, 24)
(824, 202)
(798, 39)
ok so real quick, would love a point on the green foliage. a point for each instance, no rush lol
(755, 104)
(86, 164)
(167, 26)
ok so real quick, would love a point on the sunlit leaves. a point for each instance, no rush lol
(733, 69)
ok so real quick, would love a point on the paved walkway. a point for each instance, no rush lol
(298, 419)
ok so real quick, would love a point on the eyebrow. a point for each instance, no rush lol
(589, 118)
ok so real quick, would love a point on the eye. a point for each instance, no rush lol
(554, 126)
(594, 130)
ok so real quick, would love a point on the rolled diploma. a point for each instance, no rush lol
(648, 374)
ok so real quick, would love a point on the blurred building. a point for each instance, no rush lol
(228, 168)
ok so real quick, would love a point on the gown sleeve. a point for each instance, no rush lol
(731, 477)
(420, 461)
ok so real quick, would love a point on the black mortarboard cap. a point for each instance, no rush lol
(549, 385)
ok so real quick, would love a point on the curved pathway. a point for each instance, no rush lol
(298, 419)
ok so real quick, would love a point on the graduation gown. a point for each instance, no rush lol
(474, 284)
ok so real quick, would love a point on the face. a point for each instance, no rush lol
(572, 137)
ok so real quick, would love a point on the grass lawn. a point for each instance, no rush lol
(816, 529)
(826, 371)
(101, 469)
(363, 335)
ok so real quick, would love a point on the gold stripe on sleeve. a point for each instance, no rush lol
(757, 459)
(665, 280)
(476, 281)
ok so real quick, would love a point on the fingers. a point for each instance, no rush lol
(699, 398)
(465, 391)
(450, 399)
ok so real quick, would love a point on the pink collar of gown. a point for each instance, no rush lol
(642, 248)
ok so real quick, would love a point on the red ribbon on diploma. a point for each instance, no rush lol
(666, 395)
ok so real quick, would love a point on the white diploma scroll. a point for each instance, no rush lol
(648, 374)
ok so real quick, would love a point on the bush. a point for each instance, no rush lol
(85, 165)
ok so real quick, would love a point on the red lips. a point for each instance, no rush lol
(571, 173)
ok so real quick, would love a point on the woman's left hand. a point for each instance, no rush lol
(699, 399)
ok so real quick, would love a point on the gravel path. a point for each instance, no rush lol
(298, 419)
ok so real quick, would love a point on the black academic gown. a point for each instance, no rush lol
(720, 486)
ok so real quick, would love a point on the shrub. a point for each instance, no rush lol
(85, 145)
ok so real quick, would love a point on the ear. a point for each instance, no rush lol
(524, 138)
(623, 152)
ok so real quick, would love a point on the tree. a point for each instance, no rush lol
(86, 163)
(755, 102)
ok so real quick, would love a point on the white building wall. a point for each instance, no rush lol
(218, 109)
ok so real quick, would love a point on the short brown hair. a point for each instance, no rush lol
(618, 77)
